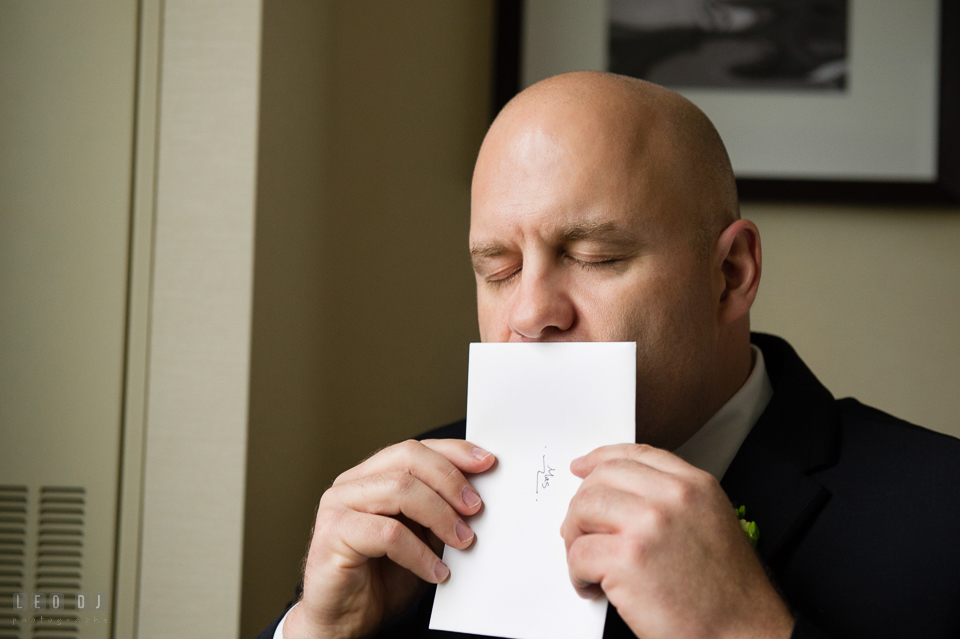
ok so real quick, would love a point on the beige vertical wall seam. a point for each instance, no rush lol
(198, 370)
(138, 319)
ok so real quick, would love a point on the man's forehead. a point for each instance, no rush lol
(584, 136)
(545, 156)
(560, 194)
(568, 167)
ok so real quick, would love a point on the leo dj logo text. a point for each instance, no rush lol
(58, 601)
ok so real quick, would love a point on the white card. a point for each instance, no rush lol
(537, 407)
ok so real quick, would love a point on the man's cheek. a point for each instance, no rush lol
(619, 318)
(490, 321)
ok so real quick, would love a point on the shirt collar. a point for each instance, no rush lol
(713, 447)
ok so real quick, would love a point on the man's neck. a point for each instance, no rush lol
(713, 447)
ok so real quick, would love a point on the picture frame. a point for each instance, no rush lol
(572, 36)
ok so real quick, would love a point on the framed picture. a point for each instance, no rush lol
(816, 100)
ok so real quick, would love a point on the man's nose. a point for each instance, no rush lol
(541, 306)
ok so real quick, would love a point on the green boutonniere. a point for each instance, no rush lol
(749, 527)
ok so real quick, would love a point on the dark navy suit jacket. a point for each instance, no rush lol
(859, 514)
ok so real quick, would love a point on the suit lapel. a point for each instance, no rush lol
(796, 435)
(780, 498)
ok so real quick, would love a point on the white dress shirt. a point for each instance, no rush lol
(713, 447)
(278, 634)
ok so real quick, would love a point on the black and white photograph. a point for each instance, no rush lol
(749, 44)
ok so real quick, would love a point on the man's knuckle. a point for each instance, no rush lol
(409, 447)
(591, 495)
(580, 499)
(440, 510)
(684, 493)
(656, 519)
(328, 522)
(329, 496)
(424, 554)
(451, 474)
(391, 531)
(399, 482)
(708, 483)
(577, 553)
(610, 466)
(636, 550)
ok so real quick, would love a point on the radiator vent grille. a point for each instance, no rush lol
(13, 542)
(59, 561)
(60, 540)
(41, 552)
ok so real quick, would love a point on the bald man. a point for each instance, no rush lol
(604, 209)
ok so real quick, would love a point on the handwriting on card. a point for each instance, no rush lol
(543, 476)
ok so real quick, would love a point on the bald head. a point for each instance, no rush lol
(672, 152)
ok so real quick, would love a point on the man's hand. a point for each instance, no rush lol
(378, 532)
(660, 539)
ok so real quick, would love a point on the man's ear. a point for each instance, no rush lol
(738, 259)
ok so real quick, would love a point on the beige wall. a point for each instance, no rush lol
(371, 116)
(870, 298)
(285, 460)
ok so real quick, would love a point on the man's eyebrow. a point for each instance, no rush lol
(608, 232)
(487, 249)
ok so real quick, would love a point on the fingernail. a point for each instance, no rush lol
(441, 571)
(480, 453)
(577, 460)
(470, 497)
(463, 531)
